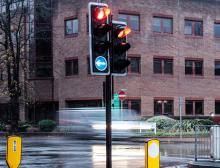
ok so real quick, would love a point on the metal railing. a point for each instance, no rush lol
(202, 142)
(206, 139)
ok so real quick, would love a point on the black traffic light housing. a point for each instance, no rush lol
(119, 61)
(99, 44)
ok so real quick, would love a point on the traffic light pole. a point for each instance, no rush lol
(108, 97)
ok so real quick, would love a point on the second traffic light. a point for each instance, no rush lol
(119, 61)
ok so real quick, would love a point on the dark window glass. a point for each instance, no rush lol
(88, 67)
(198, 28)
(71, 67)
(132, 20)
(198, 107)
(162, 25)
(168, 66)
(217, 29)
(217, 107)
(157, 107)
(167, 25)
(188, 28)
(163, 65)
(194, 107)
(193, 28)
(136, 106)
(168, 107)
(193, 67)
(189, 107)
(157, 65)
(163, 107)
(156, 24)
(71, 26)
(198, 67)
(217, 68)
(84, 103)
(87, 23)
(135, 65)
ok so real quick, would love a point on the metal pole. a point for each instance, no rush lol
(108, 104)
(121, 110)
(195, 143)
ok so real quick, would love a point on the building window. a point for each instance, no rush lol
(135, 65)
(133, 105)
(71, 26)
(88, 66)
(194, 28)
(194, 107)
(217, 29)
(87, 23)
(163, 107)
(193, 67)
(163, 66)
(83, 103)
(217, 107)
(71, 67)
(132, 20)
(217, 68)
(162, 25)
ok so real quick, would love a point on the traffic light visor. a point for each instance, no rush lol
(102, 13)
(124, 32)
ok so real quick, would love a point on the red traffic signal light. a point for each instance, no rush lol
(101, 13)
(99, 42)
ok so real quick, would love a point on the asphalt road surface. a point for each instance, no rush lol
(67, 152)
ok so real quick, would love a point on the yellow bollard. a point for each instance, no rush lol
(13, 156)
(152, 154)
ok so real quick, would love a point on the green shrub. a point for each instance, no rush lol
(47, 125)
(188, 125)
(163, 122)
(23, 125)
(2, 126)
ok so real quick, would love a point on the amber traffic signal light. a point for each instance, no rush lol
(119, 61)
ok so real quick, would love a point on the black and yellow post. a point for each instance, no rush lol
(152, 154)
(14, 150)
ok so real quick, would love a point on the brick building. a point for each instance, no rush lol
(175, 58)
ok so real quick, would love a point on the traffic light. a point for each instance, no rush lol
(99, 28)
(119, 61)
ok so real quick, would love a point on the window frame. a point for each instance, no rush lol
(216, 22)
(193, 66)
(163, 99)
(216, 101)
(71, 18)
(72, 73)
(128, 14)
(194, 108)
(216, 61)
(139, 66)
(129, 102)
(193, 21)
(163, 59)
(162, 17)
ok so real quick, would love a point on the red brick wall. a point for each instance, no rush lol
(147, 44)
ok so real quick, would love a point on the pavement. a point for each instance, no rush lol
(68, 152)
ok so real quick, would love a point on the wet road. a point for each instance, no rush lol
(66, 152)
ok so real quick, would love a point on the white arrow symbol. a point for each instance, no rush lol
(100, 63)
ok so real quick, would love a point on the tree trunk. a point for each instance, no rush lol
(14, 111)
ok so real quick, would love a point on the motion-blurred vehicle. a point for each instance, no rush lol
(91, 122)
